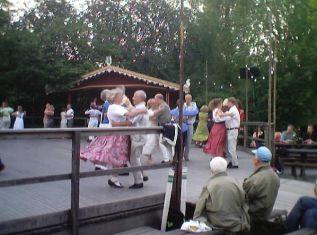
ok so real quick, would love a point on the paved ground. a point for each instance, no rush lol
(27, 158)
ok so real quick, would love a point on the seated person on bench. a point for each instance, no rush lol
(289, 136)
(261, 189)
(310, 136)
(222, 202)
(303, 214)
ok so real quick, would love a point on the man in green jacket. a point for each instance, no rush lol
(261, 188)
(222, 202)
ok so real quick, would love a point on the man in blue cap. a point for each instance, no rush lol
(261, 188)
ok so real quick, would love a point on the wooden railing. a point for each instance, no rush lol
(75, 135)
(248, 136)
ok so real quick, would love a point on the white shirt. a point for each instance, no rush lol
(93, 114)
(233, 121)
(216, 118)
(116, 113)
(70, 114)
(141, 120)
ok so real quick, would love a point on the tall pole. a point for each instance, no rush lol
(269, 118)
(245, 127)
(274, 86)
(206, 85)
(180, 150)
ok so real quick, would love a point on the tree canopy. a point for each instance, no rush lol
(52, 44)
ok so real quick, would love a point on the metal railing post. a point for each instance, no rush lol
(75, 183)
(245, 135)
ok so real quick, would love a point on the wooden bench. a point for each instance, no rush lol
(304, 231)
(296, 155)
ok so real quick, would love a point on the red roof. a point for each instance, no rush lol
(128, 73)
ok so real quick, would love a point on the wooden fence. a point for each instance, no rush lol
(75, 134)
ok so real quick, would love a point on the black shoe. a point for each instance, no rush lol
(136, 186)
(165, 162)
(233, 167)
(97, 168)
(1, 166)
(145, 178)
(229, 165)
(115, 184)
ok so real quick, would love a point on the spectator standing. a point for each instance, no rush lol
(189, 106)
(70, 116)
(48, 120)
(5, 114)
(63, 118)
(19, 118)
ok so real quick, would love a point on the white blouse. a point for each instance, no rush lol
(217, 118)
(116, 113)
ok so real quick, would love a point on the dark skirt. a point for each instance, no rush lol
(216, 140)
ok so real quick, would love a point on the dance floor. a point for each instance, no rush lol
(39, 157)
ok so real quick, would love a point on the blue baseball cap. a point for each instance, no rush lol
(263, 154)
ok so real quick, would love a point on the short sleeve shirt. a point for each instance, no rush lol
(105, 107)
(165, 116)
(116, 113)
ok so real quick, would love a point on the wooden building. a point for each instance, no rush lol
(91, 84)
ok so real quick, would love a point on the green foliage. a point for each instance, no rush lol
(52, 44)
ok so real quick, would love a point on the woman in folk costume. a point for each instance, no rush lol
(111, 151)
(201, 133)
(217, 136)
(19, 115)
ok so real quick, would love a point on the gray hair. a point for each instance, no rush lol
(218, 165)
(104, 94)
(113, 93)
(141, 94)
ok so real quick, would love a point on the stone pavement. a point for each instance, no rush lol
(39, 157)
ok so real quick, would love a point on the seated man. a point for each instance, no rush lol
(222, 201)
(310, 136)
(303, 214)
(261, 188)
(288, 136)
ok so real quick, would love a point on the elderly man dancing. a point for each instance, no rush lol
(138, 141)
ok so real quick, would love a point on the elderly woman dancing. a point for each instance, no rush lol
(111, 151)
